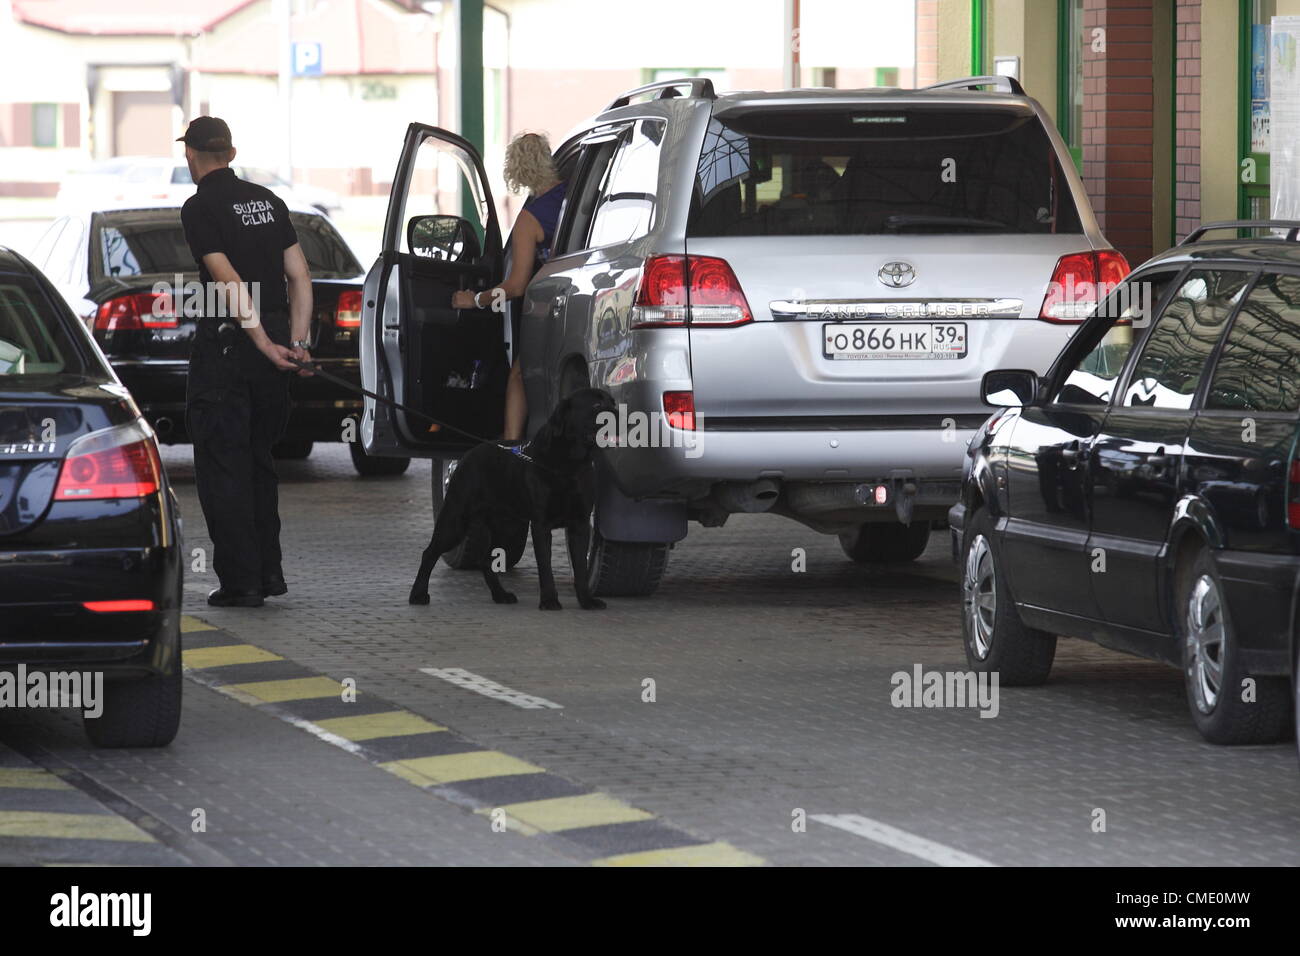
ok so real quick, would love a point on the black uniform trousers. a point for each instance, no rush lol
(237, 407)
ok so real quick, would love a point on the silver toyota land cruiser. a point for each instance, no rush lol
(793, 297)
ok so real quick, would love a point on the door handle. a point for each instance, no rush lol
(1070, 455)
(557, 306)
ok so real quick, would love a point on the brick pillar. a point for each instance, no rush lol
(1187, 119)
(927, 42)
(1117, 121)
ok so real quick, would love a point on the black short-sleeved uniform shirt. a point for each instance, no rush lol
(247, 222)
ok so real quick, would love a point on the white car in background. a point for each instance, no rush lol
(145, 179)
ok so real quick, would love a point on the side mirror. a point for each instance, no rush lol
(1009, 388)
(449, 238)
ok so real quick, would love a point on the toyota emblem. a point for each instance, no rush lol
(896, 275)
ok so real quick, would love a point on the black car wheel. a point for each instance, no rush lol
(1225, 707)
(139, 713)
(995, 638)
(886, 542)
(368, 467)
(292, 450)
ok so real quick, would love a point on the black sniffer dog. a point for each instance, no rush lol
(495, 494)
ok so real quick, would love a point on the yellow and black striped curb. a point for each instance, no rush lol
(528, 799)
(46, 820)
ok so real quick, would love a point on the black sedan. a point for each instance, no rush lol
(129, 273)
(90, 566)
(1145, 492)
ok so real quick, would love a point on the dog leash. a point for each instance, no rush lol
(361, 390)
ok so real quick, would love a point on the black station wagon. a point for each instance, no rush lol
(1145, 492)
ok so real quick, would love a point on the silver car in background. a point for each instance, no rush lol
(793, 296)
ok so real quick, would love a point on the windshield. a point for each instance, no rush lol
(125, 245)
(879, 171)
(34, 335)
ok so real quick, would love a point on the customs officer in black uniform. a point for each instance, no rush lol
(256, 314)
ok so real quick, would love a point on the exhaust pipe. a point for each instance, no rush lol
(163, 426)
(747, 497)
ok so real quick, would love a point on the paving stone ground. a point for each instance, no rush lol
(772, 695)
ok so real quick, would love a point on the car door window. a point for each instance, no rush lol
(1091, 379)
(1259, 367)
(626, 204)
(1174, 358)
(581, 205)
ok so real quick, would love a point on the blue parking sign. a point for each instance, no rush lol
(306, 59)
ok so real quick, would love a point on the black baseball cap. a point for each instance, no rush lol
(207, 133)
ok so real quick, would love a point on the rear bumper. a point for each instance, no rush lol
(695, 460)
(44, 623)
(1262, 591)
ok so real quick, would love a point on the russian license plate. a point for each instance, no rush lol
(894, 340)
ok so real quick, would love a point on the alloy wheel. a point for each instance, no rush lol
(1206, 642)
(979, 596)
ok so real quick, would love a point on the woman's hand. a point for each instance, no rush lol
(463, 299)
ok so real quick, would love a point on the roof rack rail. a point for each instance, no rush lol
(1290, 225)
(701, 86)
(1007, 84)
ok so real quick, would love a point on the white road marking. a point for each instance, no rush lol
(490, 688)
(900, 840)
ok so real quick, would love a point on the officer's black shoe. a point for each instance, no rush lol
(220, 597)
(274, 587)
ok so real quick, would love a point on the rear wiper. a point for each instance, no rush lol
(903, 221)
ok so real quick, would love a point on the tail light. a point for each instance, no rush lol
(140, 310)
(1293, 495)
(695, 290)
(1080, 281)
(115, 607)
(347, 314)
(679, 410)
(119, 462)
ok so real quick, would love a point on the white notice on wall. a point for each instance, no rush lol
(1284, 134)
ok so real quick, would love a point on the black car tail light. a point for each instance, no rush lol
(119, 462)
(139, 310)
(347, 314)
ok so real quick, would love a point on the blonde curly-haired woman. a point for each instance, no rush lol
(528, 167)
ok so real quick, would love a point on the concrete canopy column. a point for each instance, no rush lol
(1117, 120)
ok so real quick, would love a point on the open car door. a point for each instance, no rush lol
(448, 363)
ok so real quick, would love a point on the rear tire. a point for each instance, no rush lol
(625, 568)
(139, 713)
(886, 542)
(374, 467)
(292, 450)
(995, 639)
(1212, 669)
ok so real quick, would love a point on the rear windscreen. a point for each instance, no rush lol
(131, 244)
(34, 336)
(856, 172)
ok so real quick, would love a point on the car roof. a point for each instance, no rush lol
(830, 96)
(12, 261)
(159, 205)
(1255, 251)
